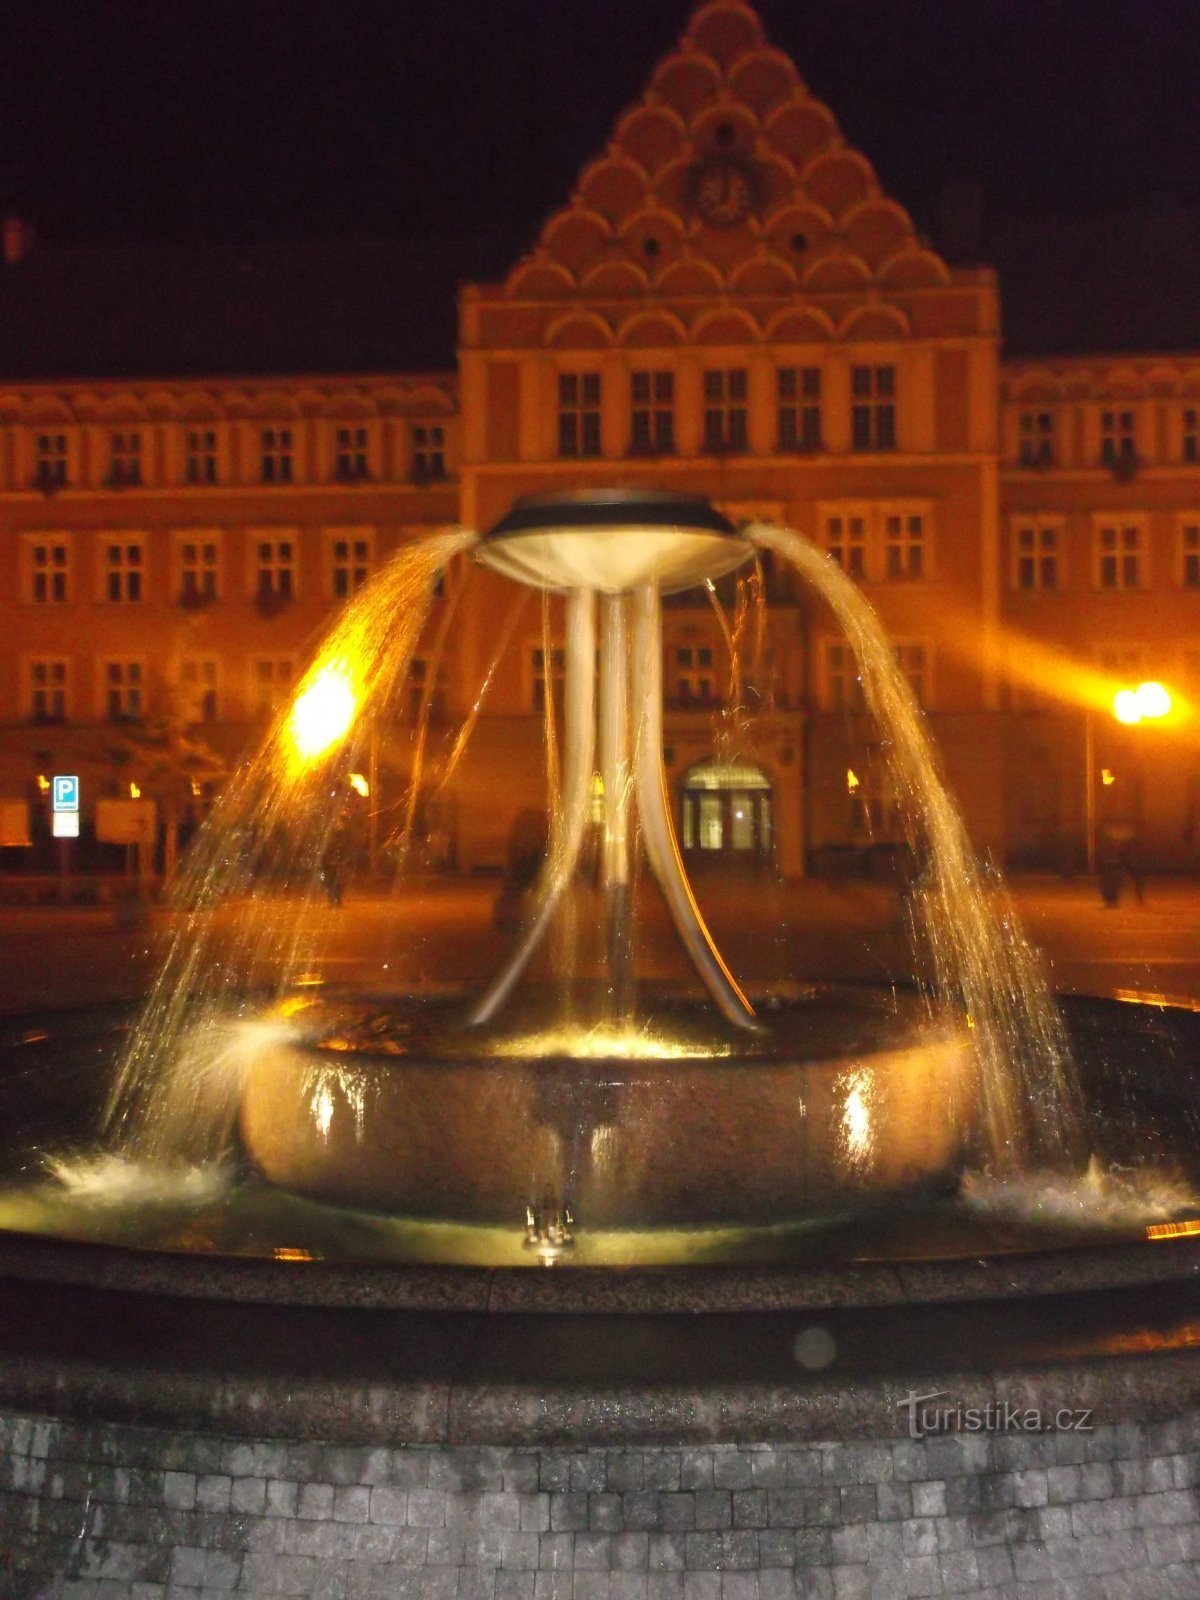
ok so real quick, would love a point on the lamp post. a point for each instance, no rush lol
(1149, 702)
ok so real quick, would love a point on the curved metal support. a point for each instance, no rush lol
(659, 836)
(579, 739)
(617, 778)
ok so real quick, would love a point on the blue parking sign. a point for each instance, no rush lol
(66, 793)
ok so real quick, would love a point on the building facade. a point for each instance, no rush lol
(728, 304)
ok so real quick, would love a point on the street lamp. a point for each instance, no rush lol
(1149, 702)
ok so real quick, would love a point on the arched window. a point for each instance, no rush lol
(727, 811)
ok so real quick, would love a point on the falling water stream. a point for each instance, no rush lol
(245, 937)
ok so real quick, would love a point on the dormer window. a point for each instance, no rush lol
(200, 465)
(1036, 444)
(125, 459)
(428, 452)
(276, 455)
(1118, 441)
(350, 461)
(50, 468)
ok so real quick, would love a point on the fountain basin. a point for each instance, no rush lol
(805, 1124)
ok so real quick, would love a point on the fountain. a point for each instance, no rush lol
(838, 1163)
(667, 1121)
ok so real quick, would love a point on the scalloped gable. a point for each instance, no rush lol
(726, 175)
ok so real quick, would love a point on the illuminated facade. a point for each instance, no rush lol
(728, 304)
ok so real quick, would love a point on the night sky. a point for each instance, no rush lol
(236, 120)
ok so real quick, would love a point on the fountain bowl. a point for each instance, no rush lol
(832, 1107)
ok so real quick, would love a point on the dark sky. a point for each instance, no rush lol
(223, 120)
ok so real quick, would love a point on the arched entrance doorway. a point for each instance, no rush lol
(727, 812)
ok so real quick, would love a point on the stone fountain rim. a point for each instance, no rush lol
(664, 1290)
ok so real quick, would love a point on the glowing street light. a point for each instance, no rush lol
(1149, 702)
(323, 713)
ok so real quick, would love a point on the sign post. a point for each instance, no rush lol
(64, 807)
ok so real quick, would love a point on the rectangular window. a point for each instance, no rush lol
(1191, 434)
(846, 542)
(46, 680)
(124, 459)
(725, 410)
(424, 696)
(428, 452)
(843, 686)
(557, 677)
(1118, 556)
(350, 456)
(49, 571)
(275, 569)
(123, 568)
(350, 562)
(198, 677)
(1036, 555)
(652, 413)
(904, 545)
(276, 455)
(911, 659)
(873, 408)
(694, 675)
(50, 465)
(123, 683)
(1036, 439)
(798, 392)
(579, 413)
(1118, 445)
(199, 569)
(1189, 551)
(200, 459)
(271, 683)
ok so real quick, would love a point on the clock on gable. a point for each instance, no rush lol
(723, 191)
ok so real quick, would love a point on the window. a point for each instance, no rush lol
(726, 806)
(48, 571)
(913, 663)
(46, 680)
(579, 413)
(843, 686)
(200, 459)
(50, 464)
(873, 408)
(874, 810)
(422, 694)
(428, 452)
(276, 448)
(122, 690)
(1191, 434)
(557, 676)
(904, 544)
(798, 391)
(198, 688)
(350, 561)
(846, 543)
(1123, 662)
(350, 458)
(1035, 446)
(1118, 555)
(275, 569)
(124, 459)
(1189, 553)
(199, 567)
(694, 676)
(1035, 556)
(122, 569)
(1118, 447)
(652, 413)
(271, 683)
(724, 410)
